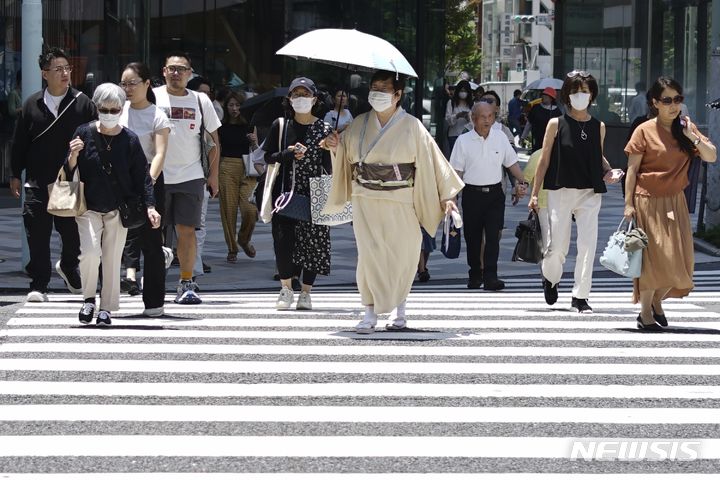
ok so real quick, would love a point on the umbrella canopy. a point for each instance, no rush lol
(543, 83)
(349, 49)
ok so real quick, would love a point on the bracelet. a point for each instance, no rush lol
(696, 142)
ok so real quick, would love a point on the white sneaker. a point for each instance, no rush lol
(36, 297)
(366, 327)
(285, 299)
(304, 302)
(167, 251)
(154, 312)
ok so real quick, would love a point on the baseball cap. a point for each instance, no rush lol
(549, 91)
(303, 82)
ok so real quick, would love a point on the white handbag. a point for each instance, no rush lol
(250, 170)
(319, 192)
(616, 259)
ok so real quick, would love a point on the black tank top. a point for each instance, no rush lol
(574, 162)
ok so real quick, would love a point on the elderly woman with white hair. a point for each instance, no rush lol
(113, 168)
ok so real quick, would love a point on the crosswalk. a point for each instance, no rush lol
(482, 385)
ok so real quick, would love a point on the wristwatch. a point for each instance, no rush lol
(696, 141)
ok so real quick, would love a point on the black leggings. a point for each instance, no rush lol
(283, 232)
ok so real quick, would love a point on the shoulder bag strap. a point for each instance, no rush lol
(58, 117)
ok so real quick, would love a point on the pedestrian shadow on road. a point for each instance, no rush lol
(407, 335)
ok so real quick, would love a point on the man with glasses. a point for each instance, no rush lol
(43, 131)
(185, 181)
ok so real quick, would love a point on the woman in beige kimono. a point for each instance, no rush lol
(389, 166)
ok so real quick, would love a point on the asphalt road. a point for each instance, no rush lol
(481, 382)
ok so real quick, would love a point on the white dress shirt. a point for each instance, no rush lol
(481, 160)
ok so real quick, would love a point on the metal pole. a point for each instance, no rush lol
(32, 41)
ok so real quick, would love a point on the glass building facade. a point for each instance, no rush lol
(231, 42)
(623, 42)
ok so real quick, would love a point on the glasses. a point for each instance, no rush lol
(133, 83)
(112, 111)
(677, 100)
(61, 69)
(177, 69)
(579, 73)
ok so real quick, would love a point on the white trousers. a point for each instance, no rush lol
(102, 239)
(562, 205)
(200, 234)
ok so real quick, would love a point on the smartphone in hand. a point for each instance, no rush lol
(300, 148)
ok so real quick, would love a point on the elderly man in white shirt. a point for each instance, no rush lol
(479, 157)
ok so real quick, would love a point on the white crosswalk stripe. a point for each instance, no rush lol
(481, 382)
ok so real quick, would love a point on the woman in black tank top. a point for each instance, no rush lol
(575, 172)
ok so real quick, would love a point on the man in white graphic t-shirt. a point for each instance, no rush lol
(184, 178)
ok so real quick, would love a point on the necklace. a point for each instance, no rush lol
(107, 144)
(583, 135)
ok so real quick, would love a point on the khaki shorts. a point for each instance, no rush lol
(183, 202)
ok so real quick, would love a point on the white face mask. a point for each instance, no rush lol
(380, 101)
(462, 95)
(108, 120)
(580, 100)
(302, 104)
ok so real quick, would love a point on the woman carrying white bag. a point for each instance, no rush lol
(660, 151)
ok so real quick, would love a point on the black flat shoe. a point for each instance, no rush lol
(660, 318)
(653, 327)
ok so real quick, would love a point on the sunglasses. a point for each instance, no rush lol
(677, 100)
(579, 73)
(112, 111)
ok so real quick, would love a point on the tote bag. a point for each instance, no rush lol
(319, 192)
(266, 207)
(616, 259)
(66, 197)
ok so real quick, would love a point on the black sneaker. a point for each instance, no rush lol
(551, 292)
(70, 277)
(474, 284)
(87, 311)
(103, 318)
(206, 268)
(580, 305)
(424, 277)
(494, 285)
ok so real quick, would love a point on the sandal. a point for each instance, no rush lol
(231, 258)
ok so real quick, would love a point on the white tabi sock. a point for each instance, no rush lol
(399, 311)
(370, 315)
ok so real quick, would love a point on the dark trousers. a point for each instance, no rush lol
(38, 228)
(149, 242)
(283, 232)
(483, 213)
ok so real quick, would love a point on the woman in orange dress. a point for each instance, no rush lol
(659, 154)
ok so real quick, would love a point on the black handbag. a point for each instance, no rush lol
(132, 209)
(529, 245)
(133, 213)
(292, 204)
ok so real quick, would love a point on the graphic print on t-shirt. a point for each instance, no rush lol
(180, 113)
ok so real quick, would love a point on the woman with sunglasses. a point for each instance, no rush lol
(659, 155)
(574, 171)
(152, 126)
(113, 168)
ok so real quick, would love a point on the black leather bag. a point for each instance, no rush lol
(298, 208)
(529, 245)
(133, 213)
